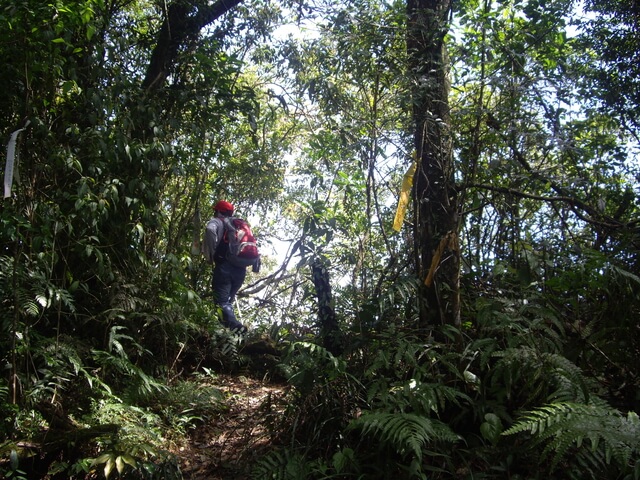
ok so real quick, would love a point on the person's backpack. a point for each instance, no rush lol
(243, 249)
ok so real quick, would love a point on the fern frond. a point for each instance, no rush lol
(539, 376)
(569, 382)
(307, 364)
(272, 465)
(320, 353)
(281, 465)
(561, 426)
(625, 274)
(422, 397)
(405, 433)
(438, 396)
(142, 383)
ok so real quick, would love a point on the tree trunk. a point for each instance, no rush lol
(327, 320)
(434, 193)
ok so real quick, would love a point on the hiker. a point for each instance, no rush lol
(230, 265)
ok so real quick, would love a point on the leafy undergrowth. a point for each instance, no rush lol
(228, 446)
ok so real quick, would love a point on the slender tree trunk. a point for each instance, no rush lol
(327, 320)
(434, 193)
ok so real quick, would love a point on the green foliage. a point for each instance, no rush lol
(415, 396)
(186, 404)
(139, 444)
(518, 317)
(147, 463)
(610, 36)
(307, 364)
(9, 415)
(600, 296)
(388, 401)
(102, 296)
(595, 435)
(139, 384)
(287, 465)
(146, 431)
(528, 377)
(404, 433)
(324, 399)
(429, 395)
(14, 471)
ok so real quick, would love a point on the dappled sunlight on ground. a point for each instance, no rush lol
(226, 447)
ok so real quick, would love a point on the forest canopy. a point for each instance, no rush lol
(446, 197)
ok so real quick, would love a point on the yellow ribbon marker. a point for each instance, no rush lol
(450, 241)
(403, 202)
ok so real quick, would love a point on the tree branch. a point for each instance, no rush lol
(183, 22)
(570, 200)
(594, 217)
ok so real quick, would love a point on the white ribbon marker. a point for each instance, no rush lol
(11, 156)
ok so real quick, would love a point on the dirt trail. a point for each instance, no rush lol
(227, 447)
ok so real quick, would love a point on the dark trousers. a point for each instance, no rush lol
(227, 280)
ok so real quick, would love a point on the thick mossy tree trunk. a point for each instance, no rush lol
(434, 191)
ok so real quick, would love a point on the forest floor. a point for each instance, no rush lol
(227, 447)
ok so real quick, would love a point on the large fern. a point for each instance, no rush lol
(306, 364)
(538, 377)
(423, 398)
(138, 383)
(405, 433)
(564, 428)
(283, 464)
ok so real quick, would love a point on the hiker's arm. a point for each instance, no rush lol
(211, 240)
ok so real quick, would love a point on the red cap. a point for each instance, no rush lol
(224, 207)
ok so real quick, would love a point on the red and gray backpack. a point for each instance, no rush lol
(243, 249)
